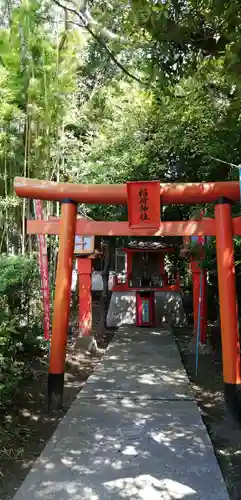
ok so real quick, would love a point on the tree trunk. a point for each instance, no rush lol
(6, 195)
(25, 167)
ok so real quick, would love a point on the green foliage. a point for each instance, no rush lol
(38, 77)
(70, 112)
(39, 85)
(20, 328)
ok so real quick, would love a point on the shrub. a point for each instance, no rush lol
(20, 320)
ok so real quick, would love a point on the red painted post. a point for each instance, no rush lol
(196, 274)
(228, 306)
(61, 304)
(203, 298)
(84, 267)
(204, 321)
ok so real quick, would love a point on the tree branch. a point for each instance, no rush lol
(103, 32)
(83, 11)
(86, 26)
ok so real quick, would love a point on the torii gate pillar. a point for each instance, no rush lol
(84, 267)
(228, 307)
(61, 304)
(197, 276)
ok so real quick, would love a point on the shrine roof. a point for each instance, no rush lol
(160, 244)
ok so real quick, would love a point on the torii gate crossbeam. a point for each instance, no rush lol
(116, 194)
(203, 227)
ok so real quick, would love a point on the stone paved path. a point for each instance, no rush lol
(134, 432)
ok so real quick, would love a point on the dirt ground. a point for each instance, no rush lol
(208, 390)
(26, 426)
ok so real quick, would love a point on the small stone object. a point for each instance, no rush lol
(89, 345)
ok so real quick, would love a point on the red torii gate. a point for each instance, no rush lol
(143, 199)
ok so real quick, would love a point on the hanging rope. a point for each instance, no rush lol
(231, 165)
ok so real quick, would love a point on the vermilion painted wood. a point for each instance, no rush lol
(227, 295)
(204, 310)
(197, 275)
(116, 194)
(63, 289)
(84, 267)
(105, 228)
(143, 201)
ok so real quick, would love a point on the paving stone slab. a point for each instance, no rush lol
(153, 351)
(133, 433)
(132, 335)
(128, 450)
(139, 367)
(143, 344)
(139, 346)
(149, 381)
